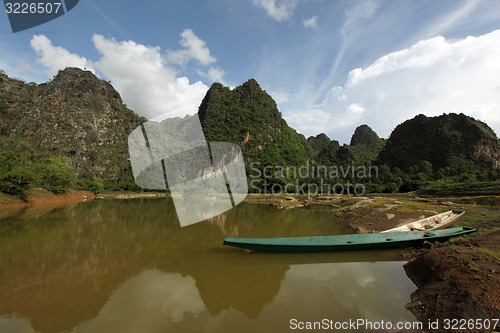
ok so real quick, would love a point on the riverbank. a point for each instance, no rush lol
(40, 201)
(130, 195)
(457, 279)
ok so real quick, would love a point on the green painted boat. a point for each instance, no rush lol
(346, 242)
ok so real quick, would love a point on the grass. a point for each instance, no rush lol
(411, 207)
(485, 200)
(462, 189)
(473, 267)
(486, 254)
(459, 238)
(482, 216)
(379, 202)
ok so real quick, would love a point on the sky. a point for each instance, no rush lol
(331, 65)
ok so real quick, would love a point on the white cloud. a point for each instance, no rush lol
(155, 301)
(148, 86)
(214, 74)
(431, 77)
(319, 119)
(280, 10)
(194, 49)
(143, 77)
(280, 97)
(311, 22)
(312, 121)
(55, 58)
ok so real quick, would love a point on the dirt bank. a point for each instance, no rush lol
(41, 201)
(457, 280)
(130, 195)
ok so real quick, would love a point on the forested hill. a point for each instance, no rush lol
(448, 141)
(76, 116)
(73, 131)
(248, 116)
(363, 150)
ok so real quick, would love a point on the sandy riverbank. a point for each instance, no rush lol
(40, 202)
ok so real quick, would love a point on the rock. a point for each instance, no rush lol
(384, 208)
(446, 203)
(360, 204)
(328, 198)
(422, 199)
(390, 216)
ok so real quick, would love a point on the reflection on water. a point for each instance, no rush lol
(127, 266)
(149, 302)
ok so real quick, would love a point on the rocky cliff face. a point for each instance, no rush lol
(75, 115)
(444, 141)
(363, 149)
(249, 117)
(364, 135)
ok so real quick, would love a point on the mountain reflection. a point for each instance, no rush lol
(127, 266)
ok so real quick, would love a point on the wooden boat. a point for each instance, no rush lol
(346, 242)
(439, 221)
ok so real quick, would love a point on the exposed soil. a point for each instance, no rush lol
(458, 280)
(41, 201)
(121, 195)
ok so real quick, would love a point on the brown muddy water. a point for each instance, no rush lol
(127, 266)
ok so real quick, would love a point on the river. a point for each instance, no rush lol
(127, 266)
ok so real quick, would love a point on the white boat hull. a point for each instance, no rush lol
(434, 222)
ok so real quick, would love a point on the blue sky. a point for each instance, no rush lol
(330, 65)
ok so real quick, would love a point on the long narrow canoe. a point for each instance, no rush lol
(346, 242)
(439, 221)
